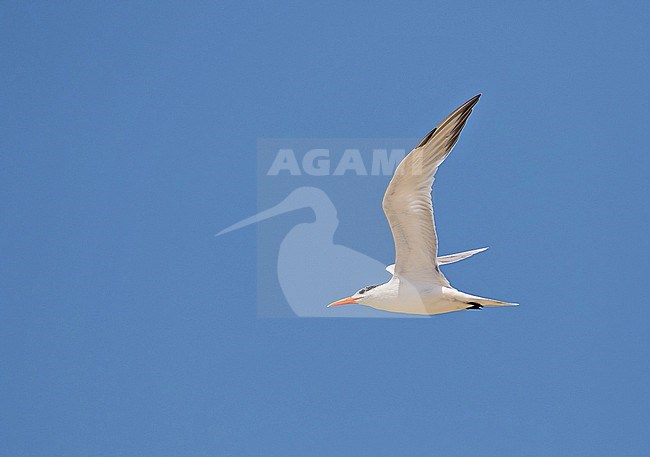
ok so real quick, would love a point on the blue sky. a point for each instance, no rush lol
(128, 139)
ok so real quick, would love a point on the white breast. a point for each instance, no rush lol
(402, 296)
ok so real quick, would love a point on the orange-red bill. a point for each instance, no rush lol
(344, 301)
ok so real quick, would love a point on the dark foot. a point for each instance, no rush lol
(474, 305)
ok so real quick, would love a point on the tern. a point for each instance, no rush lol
(417, 285)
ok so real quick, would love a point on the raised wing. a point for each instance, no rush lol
(407, 201)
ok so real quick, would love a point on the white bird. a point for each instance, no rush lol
(418, 286)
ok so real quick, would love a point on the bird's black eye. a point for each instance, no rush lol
(366, 289)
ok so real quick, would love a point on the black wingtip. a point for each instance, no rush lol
(469, 104)
(460, 115)
(472, 101)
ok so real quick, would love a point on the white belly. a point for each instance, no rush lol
(422, 300)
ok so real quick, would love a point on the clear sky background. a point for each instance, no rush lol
(128, 139)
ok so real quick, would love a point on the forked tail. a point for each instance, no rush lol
(479, 302)
(475, 302)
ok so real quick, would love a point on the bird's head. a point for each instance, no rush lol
(362, 297)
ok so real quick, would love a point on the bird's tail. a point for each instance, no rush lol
(489, 302)
(475, 302)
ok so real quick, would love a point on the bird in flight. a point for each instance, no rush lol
(418, 286)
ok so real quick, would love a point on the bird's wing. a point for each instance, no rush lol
(446, 259)
(453, 258)
(407, 202)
